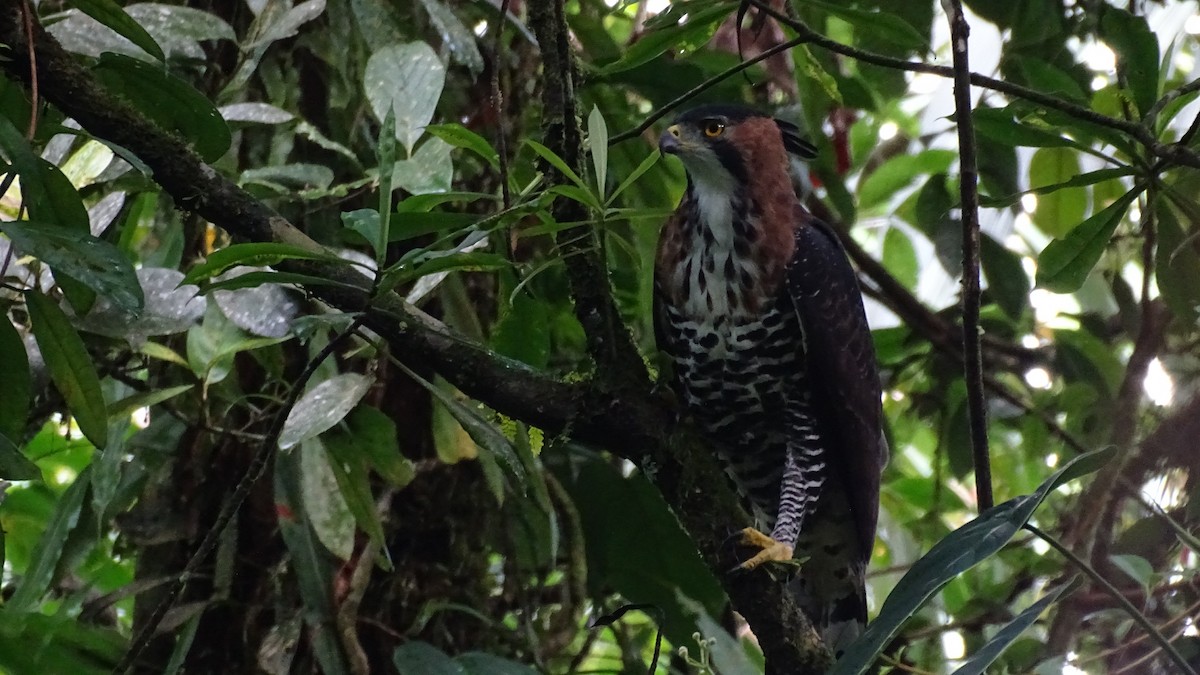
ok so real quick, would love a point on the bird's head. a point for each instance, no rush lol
(722, 145)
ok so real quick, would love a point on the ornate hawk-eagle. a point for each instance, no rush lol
(762, 321)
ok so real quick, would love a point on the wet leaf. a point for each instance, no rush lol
(407, 78)
(70, 366)
(322, 407)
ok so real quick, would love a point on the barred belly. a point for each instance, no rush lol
(734, 376)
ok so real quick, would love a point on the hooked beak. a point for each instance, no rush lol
(669, 143)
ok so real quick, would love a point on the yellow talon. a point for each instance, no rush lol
(772, 551)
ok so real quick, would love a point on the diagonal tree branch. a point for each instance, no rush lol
(627, 420)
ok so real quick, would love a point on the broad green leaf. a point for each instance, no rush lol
(899, 257)
(1048, 78)
(933, 207)
(1177, 267)
(956, 553)
(1135, 567)
(70, 366)
(17, 391)
(457, 38)
(407, 78)
(48, 552)
(1007, 281)
(882, 25)
(900, 171)
(345, 456)
(14, 465)
(309, 561)
(461, 137)
(812, 68)
(998, 124)
(597, 140)
(1065, 263)
(289, 177)
(177, 30)
(979, 662)
(1059, 211)
(696, 30)
(87, 163)
(110, 14)
(323, 406)
(374, 433)
(47, 194)
(167, 100)
(608, 502)
(324, 501)
(429, 170)
(1136, 47)
(259, 113)
(523, 332)
(255, 254)
(82, 257)
(482, 663)
(422, 658)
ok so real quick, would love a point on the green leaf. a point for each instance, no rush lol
(900, 171)
(461, 137)
(429, 170)
(461, 261)
(346, 461)
(14, 465)
(1059, 211)
(17, 391)
(727, 653)
(70, 366)
(1178, 258)
(597, 140)
(493, 445)
(900, 257)
(978, 663)
(1065, 263)
(172, 103)
(482, 663)
(1006, 278)
(110, 14)
(1050, 79)
(387, 174)
(642, 168)
(323, 406)
(1137, 54)
(374, 434)
(882, 25)
(691, 34)
(148, 399)
(1135, 567)
(46, 192)
(254, 279)
(998, 124)
(421, 658)
(311, 564)
(558, 163)
(324, 501)
(956, 553)
(252, 255)
(459, 40)
(39, 574)
(407, 78)
(82, 257)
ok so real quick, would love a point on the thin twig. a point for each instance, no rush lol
(254, 471)
(1138, 618)
(1174, 152)
(969, 191)
(700, 88)
(498, 106)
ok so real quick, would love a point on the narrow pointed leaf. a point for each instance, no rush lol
(956, 553)
(979, 662)
(1065, 263)
(70, 366)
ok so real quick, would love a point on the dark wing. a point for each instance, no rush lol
(841, 367)
(794, 141)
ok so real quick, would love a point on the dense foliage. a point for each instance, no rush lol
(191, 390)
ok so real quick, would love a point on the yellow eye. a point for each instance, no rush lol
(714, 128)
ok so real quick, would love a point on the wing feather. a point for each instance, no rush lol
(842, 370)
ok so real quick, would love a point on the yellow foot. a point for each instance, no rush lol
(772, 551)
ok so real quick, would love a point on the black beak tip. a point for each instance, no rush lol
(668, 144)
